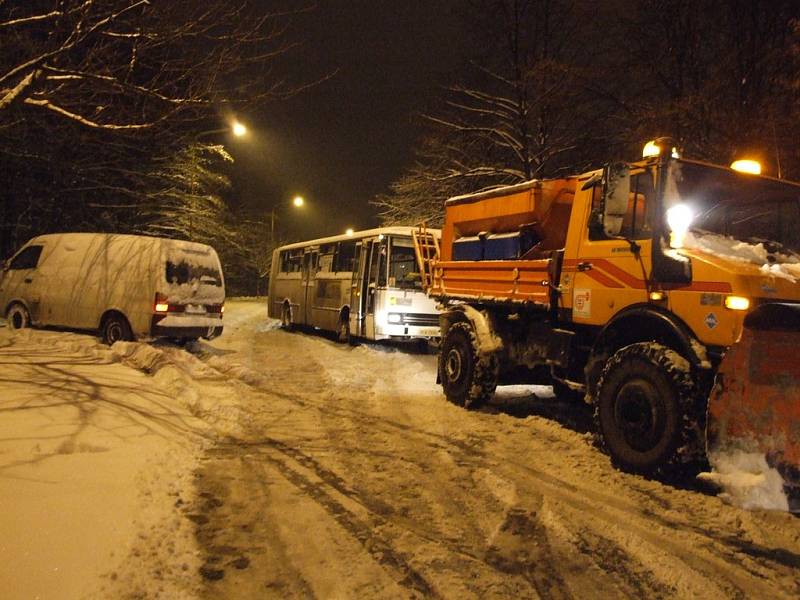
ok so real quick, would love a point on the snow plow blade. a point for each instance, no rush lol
(754, 407)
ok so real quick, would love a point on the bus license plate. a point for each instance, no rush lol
(429, 331)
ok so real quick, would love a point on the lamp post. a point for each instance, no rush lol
(238, 129)
(297, 201)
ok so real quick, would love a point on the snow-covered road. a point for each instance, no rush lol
(330, 471)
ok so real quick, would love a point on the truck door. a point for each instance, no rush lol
(21, 281)
(608, 273)
(308, 286)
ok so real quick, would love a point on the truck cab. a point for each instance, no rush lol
(624, 286)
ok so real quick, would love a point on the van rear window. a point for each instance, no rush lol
(185, 272)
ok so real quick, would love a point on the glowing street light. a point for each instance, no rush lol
(349, 231)
(239, 129)
(297, 201)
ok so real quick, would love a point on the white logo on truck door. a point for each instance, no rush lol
(582, 303)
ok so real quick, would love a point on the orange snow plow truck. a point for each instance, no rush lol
(664, 292)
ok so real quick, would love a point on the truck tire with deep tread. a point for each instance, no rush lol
(644, 407)
(468, 376)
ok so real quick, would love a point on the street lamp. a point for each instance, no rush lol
(297, 201)
(235, 127)
(349, 231)
(238, 129)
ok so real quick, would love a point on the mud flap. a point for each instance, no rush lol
(754, 407)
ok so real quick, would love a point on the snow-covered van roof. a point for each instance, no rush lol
(357, 235)
(117, 236)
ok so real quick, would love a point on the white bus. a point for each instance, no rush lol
(364, 285)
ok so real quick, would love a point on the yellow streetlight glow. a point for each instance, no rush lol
(650, 149)
(747, 166)
(238, 129)
(349, 231)
(298, 201)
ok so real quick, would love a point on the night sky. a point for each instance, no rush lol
(345, 140)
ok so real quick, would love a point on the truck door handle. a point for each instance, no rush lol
(584, 266)
(28, 280)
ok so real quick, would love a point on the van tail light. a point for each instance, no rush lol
(160, 304)
(216, 309)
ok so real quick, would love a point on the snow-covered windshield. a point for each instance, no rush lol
(747, 208)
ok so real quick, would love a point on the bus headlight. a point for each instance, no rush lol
(737, 302)
(394, 318)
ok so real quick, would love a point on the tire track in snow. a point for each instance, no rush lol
(642, 530)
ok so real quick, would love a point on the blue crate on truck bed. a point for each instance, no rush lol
(468, 248)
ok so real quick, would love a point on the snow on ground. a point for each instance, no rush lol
(93, 457)
(283, 465)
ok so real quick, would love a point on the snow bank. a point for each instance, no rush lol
(747, 481)
(94, 457)
(198, 387)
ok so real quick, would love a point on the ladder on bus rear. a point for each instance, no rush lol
(426, 247)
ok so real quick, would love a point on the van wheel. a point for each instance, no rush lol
(468, 376)
(116, 329)
(644, 404)
(18, 317)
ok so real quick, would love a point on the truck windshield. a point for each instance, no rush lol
(403, 270)
(745, 207)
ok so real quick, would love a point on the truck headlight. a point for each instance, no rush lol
(679, 218)
(394, 318)
(737, 302)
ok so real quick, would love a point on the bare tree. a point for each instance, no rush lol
(526, 109)
(718, 76)
(98, 97)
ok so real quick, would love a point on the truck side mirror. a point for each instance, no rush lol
(616, 190)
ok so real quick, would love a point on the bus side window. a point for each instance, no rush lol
(345, 257)
(326, 257)
(284, 262)
(294, 261)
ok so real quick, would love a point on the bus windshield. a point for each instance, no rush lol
(403, 269)
(745, 207)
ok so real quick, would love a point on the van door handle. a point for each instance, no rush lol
(28, 280)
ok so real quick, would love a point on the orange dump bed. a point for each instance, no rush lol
(522, 280)
(542, 208)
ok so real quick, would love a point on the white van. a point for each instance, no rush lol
(124, 286)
